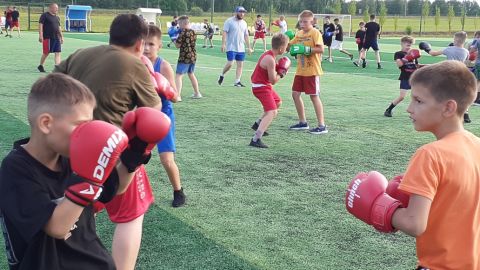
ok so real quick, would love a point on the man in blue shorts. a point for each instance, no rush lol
(234, 38)
(50, 35)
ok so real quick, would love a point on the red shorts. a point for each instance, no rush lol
(14, 24)
(310, 85)
(268, 97)
(134, 202)
(259, 34)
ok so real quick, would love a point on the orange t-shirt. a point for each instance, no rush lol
(308, 65)
(447, 172)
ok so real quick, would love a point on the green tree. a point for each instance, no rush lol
(425, 12)
(366, 15)
(395, 23)
(462, 17)
(450, 15)
(383, 13)
(337, 6)
(352, 8)
(437, 18)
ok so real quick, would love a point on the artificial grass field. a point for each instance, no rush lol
(248, 208)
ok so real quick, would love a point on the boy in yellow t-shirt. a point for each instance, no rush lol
(438, 199)
(307, 46)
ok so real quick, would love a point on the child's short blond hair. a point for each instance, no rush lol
(460, 37)
(279, 40)
(306, 14)
(448, 80)
(407, 39)
(56, 94)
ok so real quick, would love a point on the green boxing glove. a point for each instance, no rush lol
(296, 49)
(290, 34)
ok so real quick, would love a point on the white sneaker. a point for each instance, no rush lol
(195, 96)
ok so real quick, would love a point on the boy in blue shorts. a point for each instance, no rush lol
(166, 147)
(187, 57)
(407, 62)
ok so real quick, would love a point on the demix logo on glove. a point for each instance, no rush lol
(104, 157)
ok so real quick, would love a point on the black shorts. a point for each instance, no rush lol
(327, 41)
(370, 44)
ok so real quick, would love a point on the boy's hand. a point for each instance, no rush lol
(394, 192)
(296, 49)
(366, 200)
(95, 148)
(224, 48)
(144, 127)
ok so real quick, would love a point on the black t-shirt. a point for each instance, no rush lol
(361, 35)
(51, 25)
(328, 27)
(408, 68)
(29, 193)
(15, 15)
(372, 31)
(339, 35)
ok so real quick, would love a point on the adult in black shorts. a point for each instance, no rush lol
(328, 34)
(371, 34)
(50, 35)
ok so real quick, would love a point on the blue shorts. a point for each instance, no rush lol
(51, 46)
(168, 143)
(370, 44)
(405, 85)
(238, 56)
(183, 68)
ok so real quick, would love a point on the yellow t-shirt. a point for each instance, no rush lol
(447, 172)
(308, 65)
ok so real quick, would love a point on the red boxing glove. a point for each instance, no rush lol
(367, 201)
(144, 127)
(163, 87)
(411, 55)
(282, 66)
(94, 151)
(358, 41)
(472, 56)
(276, 23)
(394, 192)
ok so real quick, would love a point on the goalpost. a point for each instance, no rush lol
(344, 19)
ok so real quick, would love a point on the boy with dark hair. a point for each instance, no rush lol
(359, 39)
(268, 72)
(260, 30)
(48, 182)
(337, 43)
(407, 61)
(187, 56)
(15, 22)
(307, 47)
(166, 148)
(120, 83)
(438, 199)
(328, 33)
(474, 51)
(208, 33)
(8, 21)
(371, 37)
(50, 35)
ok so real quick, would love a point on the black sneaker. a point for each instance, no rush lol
(319, 130)
(300, 126)
(255, 127)
(258, 144)
(356, 64)
(178, 198)
(387, 113)
(351, 57)
(204, 46)
(364, 63)
(466, 118)
(40, 68)
(220, 80)
(379, 66)
(239, 84)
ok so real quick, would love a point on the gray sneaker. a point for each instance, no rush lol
(300, 126)
(319, 130)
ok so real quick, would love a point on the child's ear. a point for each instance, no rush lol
(44, 122)
(450, 108)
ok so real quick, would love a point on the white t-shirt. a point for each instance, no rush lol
(236, 30)
(456, 53)
(283, 26)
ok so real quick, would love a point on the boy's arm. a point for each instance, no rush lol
(63, 218)
(435, 53)
(167, 72)
(319, 48)
(40, 32)
(224, 41)
(124, 178)
(179, 40)
(269, 64)
(247, 41)
(413, 219)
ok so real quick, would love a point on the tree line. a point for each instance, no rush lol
(393, 7)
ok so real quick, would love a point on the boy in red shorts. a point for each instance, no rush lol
(307, 47)
(259, 32)
(267, 73)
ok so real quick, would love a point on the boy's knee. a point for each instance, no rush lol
(279, 104)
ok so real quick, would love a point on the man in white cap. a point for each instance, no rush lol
(234, 38)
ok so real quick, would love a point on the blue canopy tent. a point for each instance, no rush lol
(77, 18)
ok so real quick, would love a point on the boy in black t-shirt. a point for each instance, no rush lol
(49, 182)
(337, 44)
(328, 33)
(371, 35)
(407, 62)
(359, 39)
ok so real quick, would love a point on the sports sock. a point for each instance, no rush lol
(258, 135)
(390, 108)
(237, 80)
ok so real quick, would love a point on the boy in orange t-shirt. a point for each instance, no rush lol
(307, 46)
(438, 199)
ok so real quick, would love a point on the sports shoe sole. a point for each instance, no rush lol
(300, 128)
(318, 133)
